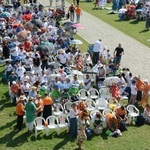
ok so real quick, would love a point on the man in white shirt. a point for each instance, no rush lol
(63, 59)
(20, 71)
(96, 50)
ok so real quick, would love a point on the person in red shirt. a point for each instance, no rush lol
(20, 112)
(27, 45)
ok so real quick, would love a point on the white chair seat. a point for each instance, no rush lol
(84, 97)
(40, 127)
(134, 114)
(90, 108)
(94, 97)
(58, 113)
(101, 107)
(52, 126)
(63, 125)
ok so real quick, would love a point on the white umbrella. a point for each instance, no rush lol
(109, 80)
(76, 42)
(76, 72)
(55, 75)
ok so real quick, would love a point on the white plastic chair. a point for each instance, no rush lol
(107, 111)
(101, 104)
(94, 94)
(58, 109)
(132, 112)
(63, 122)
(91, 105)
(67, 107)
(112, 101)
(93, 112)
(104, 92)
(52, 123)
(83, 94)
(38, 122)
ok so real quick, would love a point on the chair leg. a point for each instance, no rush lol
(35, 133)
(58, 130)
(47, 131)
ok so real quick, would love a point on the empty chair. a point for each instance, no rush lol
(93, 93)
(132, 112)
(107, 111)
(52, 123)
(58, 109)
(83, 94)
(67, 107)
(38, 122)
(101, 104)
(63, 122)
(104, 92)
(90, 105)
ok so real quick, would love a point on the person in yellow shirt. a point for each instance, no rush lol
(20, 112)
(78, 13)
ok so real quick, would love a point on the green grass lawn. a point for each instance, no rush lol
(132, 28)
(136, 138)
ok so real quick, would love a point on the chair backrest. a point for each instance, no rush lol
(101, 102)
(104, 92)
(51, 120)
(107, 111)
(132, 108)
(93, 91)
(90, 103)
(83, 92)
(39, 121)
(62, 119)
(58, 107)
(67, 105)
(112, 100)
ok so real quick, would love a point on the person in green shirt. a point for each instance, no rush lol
(55, 93)
(65, 96)
(73, 92)
(30, 113)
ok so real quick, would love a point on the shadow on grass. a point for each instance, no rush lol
(8, 125)
(143, 31)
(134, 22)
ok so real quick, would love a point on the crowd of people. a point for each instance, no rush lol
(40, 78)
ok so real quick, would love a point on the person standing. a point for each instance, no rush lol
(133, 92)
(71, 12)
(30, 113)
(47, 106)
(78, 13)
(147, 25)
(96, 50)
(20, 112)
(119, 51)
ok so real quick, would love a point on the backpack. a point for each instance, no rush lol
(71, 9)
(140, 120)
(88, 132)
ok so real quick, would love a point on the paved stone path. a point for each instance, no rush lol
(137, 55)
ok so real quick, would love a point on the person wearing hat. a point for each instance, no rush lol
(47, 106)
(20, 111)
(73, 120)
(32, 92)
(30, 108)
(39, 103)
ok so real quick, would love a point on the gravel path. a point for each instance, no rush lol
(137, 55)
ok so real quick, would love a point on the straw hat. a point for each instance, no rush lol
(22, 97)
(39, 96)
(33, 88)
(31, 98)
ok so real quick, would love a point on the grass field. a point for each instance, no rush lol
(131, 27)
(136, 138)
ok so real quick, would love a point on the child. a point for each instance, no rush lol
(133, 93)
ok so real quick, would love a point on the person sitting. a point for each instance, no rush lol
(78, 62)
(121, 113)
(112, 122)
(87, 82)
(55, 93)
(146, 113)
(97, 122)
(82, 105)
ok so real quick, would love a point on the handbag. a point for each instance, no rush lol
(97, 130)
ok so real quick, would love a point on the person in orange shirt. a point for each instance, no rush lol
(146, 89)
(140, 85)
(39, 103)
(112, 122)
(47, 106)
(20, 112)
(78, 13)
(121, 113)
